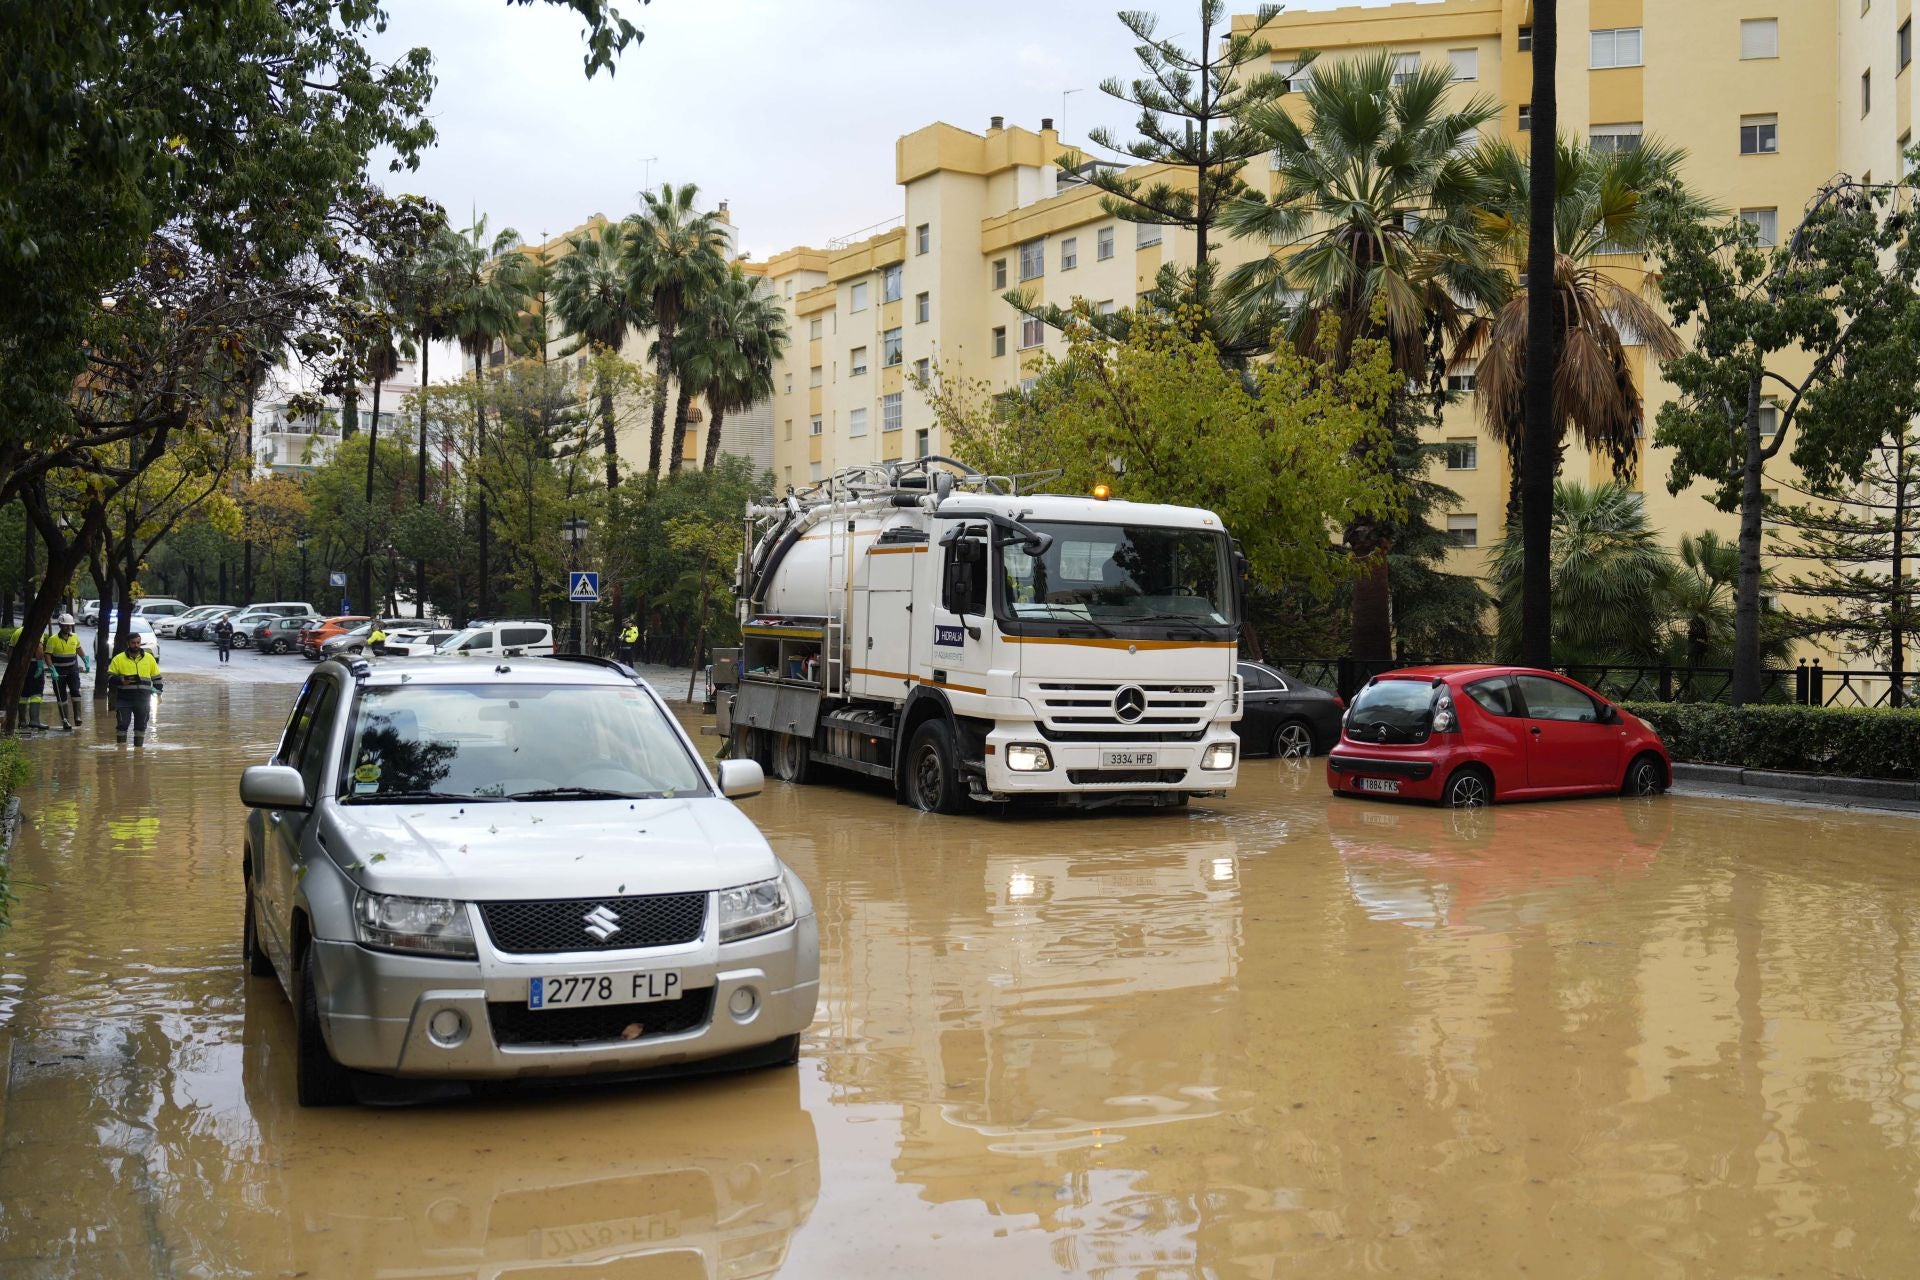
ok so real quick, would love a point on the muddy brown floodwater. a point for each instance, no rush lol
(1273, 1035)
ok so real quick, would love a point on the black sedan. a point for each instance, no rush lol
(1283, 716)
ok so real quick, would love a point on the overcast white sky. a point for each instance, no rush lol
(788, 109)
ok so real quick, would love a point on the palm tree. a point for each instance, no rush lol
(1698, 602)
(734, 337)
(382, 362)
(1609, 573)
(1372, 224)
(1604, 206)
(428, 285)
(675, 254)
(593, 299)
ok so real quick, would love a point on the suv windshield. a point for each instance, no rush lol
(513, 741)
(1392, 711)
(1119, 573)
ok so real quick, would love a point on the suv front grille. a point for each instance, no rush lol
(563, 924)
(514, 1023)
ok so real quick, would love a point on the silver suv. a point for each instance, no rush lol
(464, 870)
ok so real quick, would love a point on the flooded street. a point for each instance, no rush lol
(1278, 1034)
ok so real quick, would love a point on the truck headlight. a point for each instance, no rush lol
(1218, 756)
(754, 909)
(429, 926)
(1029, 757)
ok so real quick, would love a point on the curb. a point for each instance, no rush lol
(1814, 785)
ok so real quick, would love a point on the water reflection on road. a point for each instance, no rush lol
(1278, 1034)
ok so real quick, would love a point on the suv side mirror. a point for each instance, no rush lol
(740, 778)
(273, 786)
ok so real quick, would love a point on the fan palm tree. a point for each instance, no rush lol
(1604, 203)
(594, 301)
(1609, 573)
(732, 340)
(676, 253)
(1698, 600)
(1373, 229)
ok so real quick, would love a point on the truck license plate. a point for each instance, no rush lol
(1386, 786)
(1127, 759)
(585, 990)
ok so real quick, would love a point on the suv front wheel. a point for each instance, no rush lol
(318, 1080)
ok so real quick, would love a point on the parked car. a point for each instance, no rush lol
(136, 625)
(202, 628)
(172, 626)
(354, 640)
(502, 638)
(1284, 716)
(280, 633)
(244, 623)
(325, 629)
(1468, 735)
(440, 870)
(88, 612)
(411, 642)
(154, 608)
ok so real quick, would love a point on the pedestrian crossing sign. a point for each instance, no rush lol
(583, 586)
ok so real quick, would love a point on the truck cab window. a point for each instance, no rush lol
(964, 586)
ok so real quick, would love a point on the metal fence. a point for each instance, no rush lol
(1808, 684)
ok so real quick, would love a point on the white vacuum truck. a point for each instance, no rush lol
(971, 642)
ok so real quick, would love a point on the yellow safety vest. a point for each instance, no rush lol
(631, 634)
(144, 667)
(59, 646)
(377, 637)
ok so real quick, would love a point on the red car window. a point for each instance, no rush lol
(1551, 700)
(1495, 696)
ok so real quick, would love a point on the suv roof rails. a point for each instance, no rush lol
(611, 664)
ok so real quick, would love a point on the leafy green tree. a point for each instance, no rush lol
(735, 335)
(674, 256)
(1374, 225)
(1805, 349)
(594, 301)
(1609, 569)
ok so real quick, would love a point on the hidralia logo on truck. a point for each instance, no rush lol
(949, 637)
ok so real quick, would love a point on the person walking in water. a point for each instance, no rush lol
(223, 638)
(67, 659)
(134, 677)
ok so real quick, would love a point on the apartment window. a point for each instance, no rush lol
(813, 471)
(1760, 38)
(813, 376)
(1766, 225)
(890, 412)
(857, 422)
(857, 362)
(1032, 332)
(890, 284)
(890, 354)
(999, 339)
(1616, 47)
(1033, 259)
(787, 474)
(922, 369)
(789, 384)
(1465, 63)
(1770, 507)
(1104, 307)
(1463, 380)
(1146, 233)
(789, 430)
(999, 273)
(1405, 66)
(1526, 118)
(1027, 385)
(1906, 160)
(815, 425)
(1103, 244)
(923, 237)
(1615, 138)
(1299, 78)
(1526, 39)
(1463, 530)
(859, 302)
(1069, 253)
(1903, 45)
(1759, 135)
(815, 328)
(922, 307)
(1769, 418)
(922, 442)
(1463, 455)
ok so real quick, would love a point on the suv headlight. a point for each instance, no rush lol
(1218, 756)
(1028, 757)
(754, 909)
(429, 926)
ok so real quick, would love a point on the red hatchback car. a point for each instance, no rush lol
(1473, 735)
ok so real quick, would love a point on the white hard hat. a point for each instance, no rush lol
(64, 620)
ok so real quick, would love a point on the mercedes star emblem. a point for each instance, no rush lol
(602, 923)
(1130, 703)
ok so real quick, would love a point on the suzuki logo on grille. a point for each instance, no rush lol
(602, 923)
(1130, 703)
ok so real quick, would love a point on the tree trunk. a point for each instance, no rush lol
(1537, 447)
(1372, 615)
(713, 436)
(681, 405)
(1746, 601)
(662, 367)
(609, 438)
(366, 528)
(420, 485)
(38, 606)
(479, 456)
(1897, 614)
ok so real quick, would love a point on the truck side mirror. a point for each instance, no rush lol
(959, 586)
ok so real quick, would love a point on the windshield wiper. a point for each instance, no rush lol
(575, 793)
(431, 797)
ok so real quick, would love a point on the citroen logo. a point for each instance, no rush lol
(602, 923)
(1130, 703)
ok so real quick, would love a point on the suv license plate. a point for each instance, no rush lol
(1386, 786)
(586, 990)
(1127, 759)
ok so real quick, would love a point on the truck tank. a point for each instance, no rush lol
(798, 585)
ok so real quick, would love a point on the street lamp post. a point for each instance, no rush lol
(576, 530)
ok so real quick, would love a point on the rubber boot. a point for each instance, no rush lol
(33, 716)
(139, 739)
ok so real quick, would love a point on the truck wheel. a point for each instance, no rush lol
(791, 761)
(751, 744)
(318, 1080)
(933, 773)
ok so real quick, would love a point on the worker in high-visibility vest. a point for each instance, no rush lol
(134, 677)
(630, 642)
(67, 658)
(376, 637)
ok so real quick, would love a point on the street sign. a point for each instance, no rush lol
(583, 586)
(337, 578)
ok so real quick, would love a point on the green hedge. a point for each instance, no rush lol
(1851, 742)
